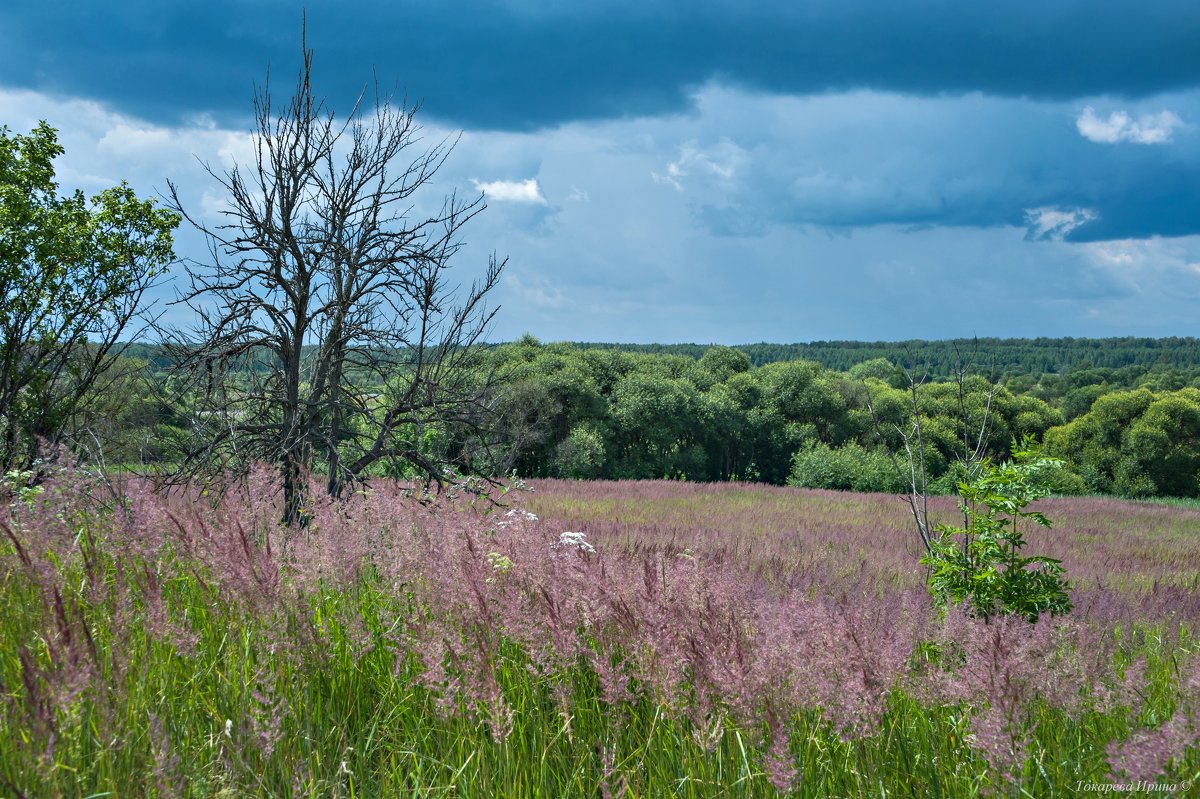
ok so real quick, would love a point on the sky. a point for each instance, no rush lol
(709, 171)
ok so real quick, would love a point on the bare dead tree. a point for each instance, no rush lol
(975, 432)
(914, 470)
(325, 278)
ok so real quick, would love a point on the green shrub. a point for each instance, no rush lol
(982, 563)
(849, 468)
(581, 454)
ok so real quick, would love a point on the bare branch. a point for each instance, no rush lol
(330, 274)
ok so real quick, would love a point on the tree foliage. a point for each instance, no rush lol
(851, 467)
(561, 410)
(73, 272)
(1135, 443)
(719, 418)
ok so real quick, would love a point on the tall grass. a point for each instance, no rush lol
(184, 644)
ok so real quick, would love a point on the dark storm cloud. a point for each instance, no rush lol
(864, 159)
(1027, 168)
(524, 65)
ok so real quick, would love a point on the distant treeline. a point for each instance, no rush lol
(1123, 413)
(1000, 357)
(577, 411)
(990, 357)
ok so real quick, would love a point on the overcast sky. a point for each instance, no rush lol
(706, 170)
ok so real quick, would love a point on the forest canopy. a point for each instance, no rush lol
(700, 413)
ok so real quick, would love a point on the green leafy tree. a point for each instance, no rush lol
(1079, 401)
(799, 406)
(1161, 449)
(543, 393)
(654, 425)
(982, 563)
(728, 435)
(717, 365)
(73, 272)
(1092, 443)
(879, 369)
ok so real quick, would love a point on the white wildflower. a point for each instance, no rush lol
(521, 514)
(575, 539)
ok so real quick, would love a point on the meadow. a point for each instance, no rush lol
(1133, 553)
(636, 639)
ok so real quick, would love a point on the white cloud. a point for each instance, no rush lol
(1053, 224)
(534, 292)
(213, 204)
(104, 146)
(672, 177)
(234, 147)
(127, 139)
(721, 162)
(1120, 126)
(1179, 256)
(513, 191)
